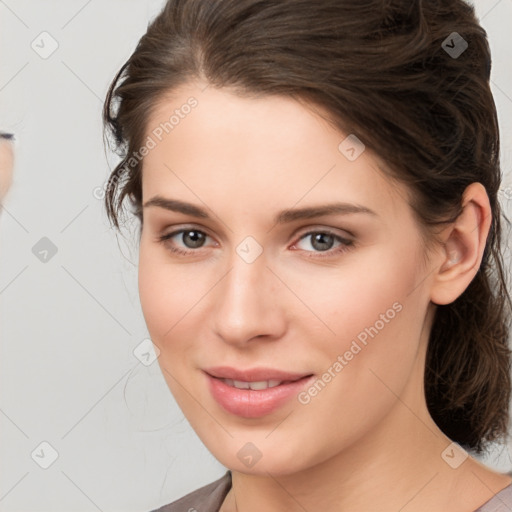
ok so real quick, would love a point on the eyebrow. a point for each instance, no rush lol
(282, 217)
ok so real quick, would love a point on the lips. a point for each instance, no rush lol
(255, 392)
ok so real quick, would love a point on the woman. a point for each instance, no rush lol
(320, 267)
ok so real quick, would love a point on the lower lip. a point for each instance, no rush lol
(251, 403)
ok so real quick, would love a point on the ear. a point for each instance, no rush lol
(463, 246)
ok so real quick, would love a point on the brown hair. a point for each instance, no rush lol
(383, 70)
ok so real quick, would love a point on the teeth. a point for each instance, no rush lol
(240, 384)
(262, 384)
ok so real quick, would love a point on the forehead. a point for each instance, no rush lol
(269, 148)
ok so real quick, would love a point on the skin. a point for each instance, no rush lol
(6, 165)
(367, 441)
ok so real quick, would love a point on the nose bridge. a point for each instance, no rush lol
(246, 300)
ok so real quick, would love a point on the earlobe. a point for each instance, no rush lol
(463, 246)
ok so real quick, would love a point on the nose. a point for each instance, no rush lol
(249, 303)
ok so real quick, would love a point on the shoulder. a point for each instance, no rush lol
(501, 502)
(208, 498)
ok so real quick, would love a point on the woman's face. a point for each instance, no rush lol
(263, 281)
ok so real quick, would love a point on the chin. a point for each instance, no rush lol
(263, 457)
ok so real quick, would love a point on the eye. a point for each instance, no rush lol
(191, 238)
(322, 241)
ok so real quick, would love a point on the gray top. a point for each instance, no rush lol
(205, 499)
(210, 497)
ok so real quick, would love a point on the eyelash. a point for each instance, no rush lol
(345, 246)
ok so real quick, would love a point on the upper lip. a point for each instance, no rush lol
(253, 374)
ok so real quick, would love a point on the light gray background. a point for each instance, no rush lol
(68, 375)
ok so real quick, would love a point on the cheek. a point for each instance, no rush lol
(374, 323)
(172, 300)
(364, 291)
(152, 288)
(376, 312)
(163, 292)
(372, 300)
